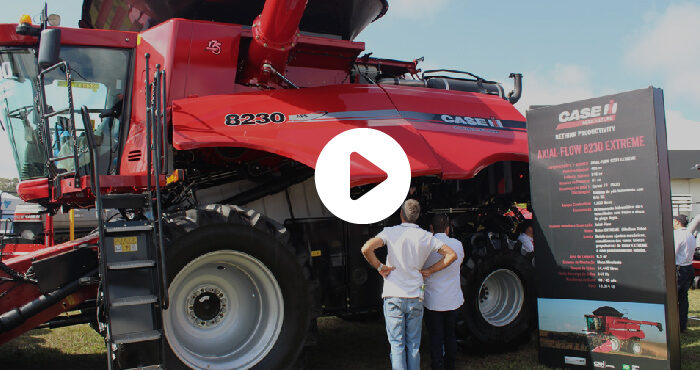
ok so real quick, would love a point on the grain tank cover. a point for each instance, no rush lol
(342, 18)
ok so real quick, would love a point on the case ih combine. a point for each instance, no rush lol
(608, 326)
(224, 256)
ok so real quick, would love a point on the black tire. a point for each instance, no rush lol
(196, 232)
(487, 253)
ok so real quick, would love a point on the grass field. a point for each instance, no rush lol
(345, 345)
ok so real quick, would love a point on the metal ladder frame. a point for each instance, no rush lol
(156, 139)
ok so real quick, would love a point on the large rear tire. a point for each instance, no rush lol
(636, 347)
(498, 284)
(615, 344)
(239, 297)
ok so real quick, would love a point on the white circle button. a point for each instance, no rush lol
(333, 175)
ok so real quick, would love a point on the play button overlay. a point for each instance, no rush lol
(366, 152)
(359, 164)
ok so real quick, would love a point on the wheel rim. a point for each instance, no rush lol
(636, 348)
(614, 344)
(501, 297)
(226, 311)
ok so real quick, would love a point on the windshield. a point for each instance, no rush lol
(99, 78)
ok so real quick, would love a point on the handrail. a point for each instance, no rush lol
(45, 115)
(158, 216)
(153, 158)
(164, 129)
(95, 184)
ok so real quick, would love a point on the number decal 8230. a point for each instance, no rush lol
(254, 119)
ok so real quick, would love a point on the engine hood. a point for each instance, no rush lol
(450, 134)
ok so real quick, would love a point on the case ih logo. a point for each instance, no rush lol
(214, 46)
(588, 116)
(471, 121)
(602, 365)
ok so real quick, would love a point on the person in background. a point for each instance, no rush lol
(685, 248)
(526, 236)
(443, 296)
(408, 247)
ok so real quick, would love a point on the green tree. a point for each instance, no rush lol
(8, 185)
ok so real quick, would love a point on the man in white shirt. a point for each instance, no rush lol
(443, 296)
(685, 248)
(526, 236)
(408, 247)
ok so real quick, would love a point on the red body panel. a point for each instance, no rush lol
(624, 328)
(14, 250)
(19, 294)
(463, 150)
(201, 59)
(315, 115)
(72, 36)
(35, 190)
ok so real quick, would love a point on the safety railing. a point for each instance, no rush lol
(46, 113)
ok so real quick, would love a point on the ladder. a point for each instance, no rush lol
(132, 260)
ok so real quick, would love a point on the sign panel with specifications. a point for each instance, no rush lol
(603, 233)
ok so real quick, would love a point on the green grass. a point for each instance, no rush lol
(344, 345)
(690, 340)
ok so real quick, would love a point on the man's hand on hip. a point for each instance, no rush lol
(386, 270)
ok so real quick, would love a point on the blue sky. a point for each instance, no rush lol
(567, 315)
(566, 50)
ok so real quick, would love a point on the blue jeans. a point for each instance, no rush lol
(404, 322)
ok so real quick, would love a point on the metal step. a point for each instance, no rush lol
(129, 201)
(127, 229)
(131, 265)
(136, 337)
(134, 300)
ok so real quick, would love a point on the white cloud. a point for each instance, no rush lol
(415, 9)
(563, 84)
(670, 45)
(683, 133)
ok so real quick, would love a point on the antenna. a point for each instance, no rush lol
(44, 16)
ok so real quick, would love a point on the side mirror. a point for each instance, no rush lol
(49, 48)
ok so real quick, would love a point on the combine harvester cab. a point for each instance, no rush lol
(200, 138)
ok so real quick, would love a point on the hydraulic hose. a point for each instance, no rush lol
(18, 316)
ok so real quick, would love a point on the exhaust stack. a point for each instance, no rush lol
(515, 95)
(275, 32)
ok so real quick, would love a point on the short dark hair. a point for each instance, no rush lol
(682, 219)
(410, 210)
(440, 222)
(522, 227)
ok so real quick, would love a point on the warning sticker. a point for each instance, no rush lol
(125, 244)
(79, 85)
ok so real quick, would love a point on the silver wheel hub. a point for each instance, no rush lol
(501, 297)
(206, 306)
(226, 311)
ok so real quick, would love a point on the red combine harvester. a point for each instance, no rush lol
(608, 326)
(196, 125)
